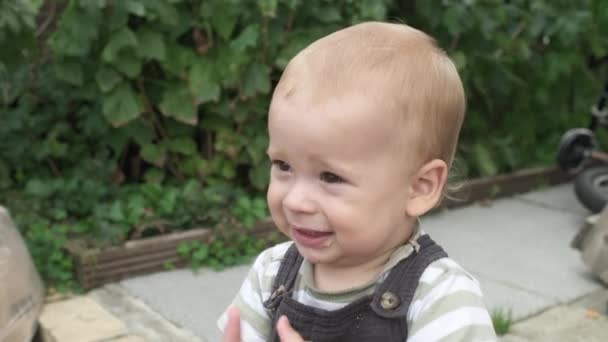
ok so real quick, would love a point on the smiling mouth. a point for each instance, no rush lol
(310, 238)
(312, 233)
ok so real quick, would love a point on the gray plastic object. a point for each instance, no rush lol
(592, 242)
(21, 289)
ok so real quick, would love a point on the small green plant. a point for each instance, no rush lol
(502, 319)
(168, 265)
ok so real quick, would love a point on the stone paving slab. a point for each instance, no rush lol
(519, 245)
(79, 319)
(138, 317)
(560, 197)
(578, 321)
(192, 300)
(500, 296)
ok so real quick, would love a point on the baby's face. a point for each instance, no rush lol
(339, 182)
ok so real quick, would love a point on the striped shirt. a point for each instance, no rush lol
(447, 305)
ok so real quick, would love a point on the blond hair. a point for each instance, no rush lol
(400, 67)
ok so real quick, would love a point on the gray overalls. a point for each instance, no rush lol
(381, 316)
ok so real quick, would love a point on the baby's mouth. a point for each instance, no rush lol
(311, 238)
(312, 233)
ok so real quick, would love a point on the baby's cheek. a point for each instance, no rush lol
(274, 200)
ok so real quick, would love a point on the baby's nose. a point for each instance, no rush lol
(298, 199)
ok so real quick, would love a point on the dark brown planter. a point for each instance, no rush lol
(97, 267)
(505, 185)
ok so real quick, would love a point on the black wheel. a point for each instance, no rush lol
(591, 188)
(574, 148)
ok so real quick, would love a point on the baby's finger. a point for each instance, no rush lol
(232, 332)
(286, 332)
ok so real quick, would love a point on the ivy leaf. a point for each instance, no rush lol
(142, 132)
(128, 64)
(116, 212)
(460, 60)
(268, 8)
(166, 12)
(201, 253)
(177, 103)
(151, 45)
(107, 79)
(39, 188)
(118, 41)
(223, 16)
(484, 161)
(121, 105)
(154, 154)
(328, 14)
(194, 166)
(202, 82)
(183, 249)
(182, 145)
(247, 38)
(259, 175)
(70, 72)
(256, 80)
(134, 7)
(178, 59)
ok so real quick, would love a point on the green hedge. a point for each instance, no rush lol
(114, 111)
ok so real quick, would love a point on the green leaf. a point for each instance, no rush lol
(107, 79)
(154, 176)
(223, 16)
(268, 8)
(116, 213)
(201, 253)
(194, 165)
(154, 154)
(39, 188)
(129, 64)
(484, 160)
(121, 105)
(168, 202)
(182, 145)
(459, 60)
(256, 80)
(184, 249)
(329, 14)
(202, 81)
(119, 40)
(70, 72)
(259, 175)
(177, 103)
(247, 38)
(134, 7)
(166, 12)
(151, 44)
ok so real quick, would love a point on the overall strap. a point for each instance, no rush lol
(286, 277)
(394, 295)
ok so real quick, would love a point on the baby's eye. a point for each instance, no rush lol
(329, 177)
(283, 166)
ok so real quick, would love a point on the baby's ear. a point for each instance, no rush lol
(426, 187)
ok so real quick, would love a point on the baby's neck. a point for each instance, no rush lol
(330, 278)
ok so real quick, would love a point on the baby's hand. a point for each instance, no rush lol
(232, 332)
(286, 332)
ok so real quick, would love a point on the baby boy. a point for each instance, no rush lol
(363, 127)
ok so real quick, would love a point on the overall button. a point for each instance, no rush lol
(389, 301)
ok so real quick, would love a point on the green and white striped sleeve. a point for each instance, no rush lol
(255, 321)
(448, 306)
